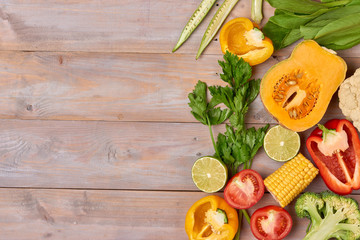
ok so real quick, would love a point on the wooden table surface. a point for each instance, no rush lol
(96, 138)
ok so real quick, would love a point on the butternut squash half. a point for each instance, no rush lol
(297, 91)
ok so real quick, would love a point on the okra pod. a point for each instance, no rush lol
(215, 24)
(194, 21)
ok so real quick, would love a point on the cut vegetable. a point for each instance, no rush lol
(290, 179)
(298, 90)
(211, 218)
(335, 149)
(271, 223)
(244, 190)
(194, 21)
(240, 36)
(215, 24)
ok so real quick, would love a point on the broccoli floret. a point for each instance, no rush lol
(331, 216)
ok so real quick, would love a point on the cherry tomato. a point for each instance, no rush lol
(271, 223)
(244, 189)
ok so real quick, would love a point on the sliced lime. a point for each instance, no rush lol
(281, 144)
(209, 174)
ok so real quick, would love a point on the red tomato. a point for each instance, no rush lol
(271, 223)
(244, 189)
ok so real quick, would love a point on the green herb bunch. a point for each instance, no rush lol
(238, 145)
(334, 24)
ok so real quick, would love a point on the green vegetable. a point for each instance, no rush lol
(333, 24)
(331, 216)
(204, 111)
(236, 148)
(194, 21)
(238, 145)
(215, 24)
(340, 32)
(256, 11)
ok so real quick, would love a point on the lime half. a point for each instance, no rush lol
(209, 174)
(281, 144)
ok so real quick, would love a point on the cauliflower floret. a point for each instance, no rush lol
(349, 97)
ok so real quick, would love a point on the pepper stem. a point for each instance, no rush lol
(326, 132)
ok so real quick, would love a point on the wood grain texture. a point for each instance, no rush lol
(114, 86)
(110, 26)
(110, 155)
(96, 138)
(93, 214)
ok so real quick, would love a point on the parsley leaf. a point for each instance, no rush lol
(235, 72)
(198, 102)
(238, 145)
(202, 110)
(236, 148)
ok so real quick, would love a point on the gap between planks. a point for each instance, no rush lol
(354, 193)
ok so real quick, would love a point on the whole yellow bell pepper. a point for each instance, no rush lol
(242, 37)
(211, 218)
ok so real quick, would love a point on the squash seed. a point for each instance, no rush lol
(294, 113)
(291, 83)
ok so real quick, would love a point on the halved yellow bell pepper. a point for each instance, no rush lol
(211, 218)
(242, 37)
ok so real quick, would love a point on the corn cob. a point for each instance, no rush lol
(290, 179)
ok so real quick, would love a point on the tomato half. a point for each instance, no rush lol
(244, 189)
(271, 223)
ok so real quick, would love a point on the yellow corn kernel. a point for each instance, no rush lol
(297, 173)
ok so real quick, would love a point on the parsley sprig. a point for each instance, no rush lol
(238, 145)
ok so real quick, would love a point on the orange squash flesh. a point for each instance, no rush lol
(298, 90)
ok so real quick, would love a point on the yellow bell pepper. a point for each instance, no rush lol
(211, 218)
(242, 37)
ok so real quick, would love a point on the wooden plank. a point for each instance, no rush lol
(93, 214)
(110, 26)
(113, 87)
(110, 155)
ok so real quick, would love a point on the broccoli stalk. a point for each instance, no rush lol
(256, 11)
(331, 215)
